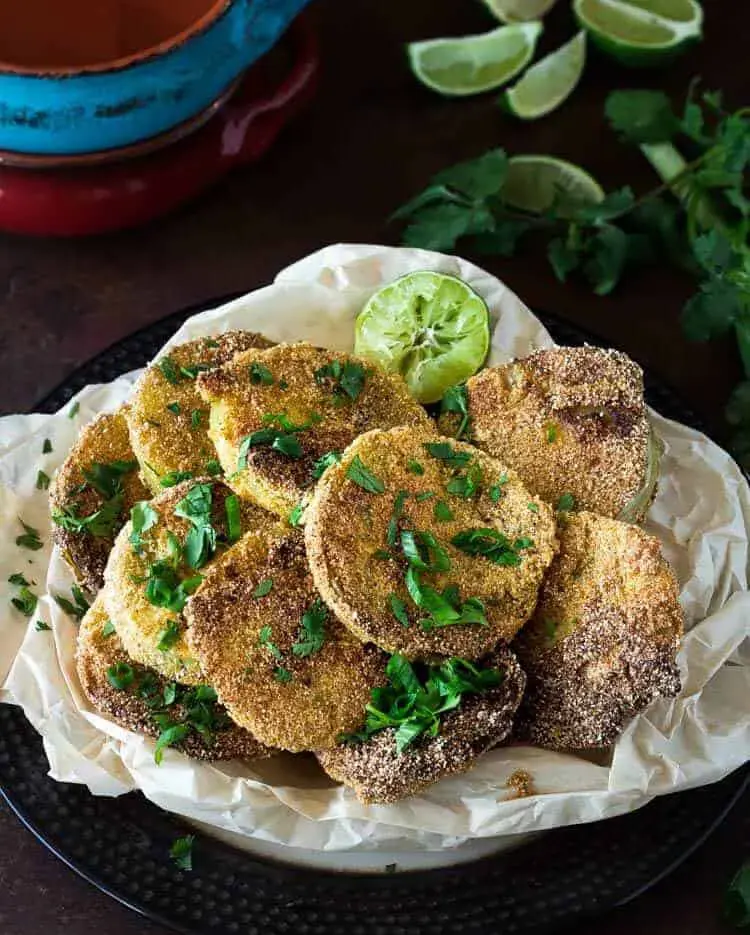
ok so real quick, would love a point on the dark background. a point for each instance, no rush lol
(370, 140)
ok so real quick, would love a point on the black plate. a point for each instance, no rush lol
(121, 845)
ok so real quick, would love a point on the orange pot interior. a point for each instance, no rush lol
(50, 35)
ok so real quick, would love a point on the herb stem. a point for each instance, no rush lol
(674, 170)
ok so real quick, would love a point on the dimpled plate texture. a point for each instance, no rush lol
(121, 845)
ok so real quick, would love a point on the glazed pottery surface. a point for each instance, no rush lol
(100, 83)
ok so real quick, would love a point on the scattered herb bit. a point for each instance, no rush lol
(25, 601)
(263, 588)
(265, 642)
(108, 629)
(106, 479)
(737, 898)
(260, 375)
(425, 495)
(398, 506)
(170, 736)
(312, 634)
(181, 852)
(211, 343)
(282, 675)
(534, 507)
(551, 432)
(30, 538)
(364, 478)
(175, 408)
(382, 554)
(195, 418)
(174, 477)
(550, 628)
(456, 400)
(424, 552)
(566, 503)
(19, 580)
(280, 437)
(324, 462)
(213, 467)
(442, 512)
(295, 517)
(234, 520)
(73, 411)
(496, 491)
(42, 481)
(101, 524)
(283, 385)
(46, 446)
(413, 705)
(191, 371)
(120, 675)
(195, 507)
(165, 589)
(444, 451)
(76, 610)
(40, 626)
(398, 609)
(347, 379)
(143, 517)
(169, 635)
(492, 545)
(466, 484)
(415, 467)
(168, 370)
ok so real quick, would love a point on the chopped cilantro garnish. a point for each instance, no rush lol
(551, 432)
(169, 370)
(106, 479)
(566, 503)
(25, 601)
(412, 705)
(424, 552)
(192, 370)
(456, 400)
(195, 507)
(398, 506)
(165, 589)
(19, 580)
(295, 517)
(42, 480)
(234, 520)
(46, 446)
(213, 467)
(260, 375)
(108, 629)
(492, 545)
(40, 626)
(425, 495)
(382, 554)
(73, 411)
(181, 852)
(347, 380)
(398, 609)
(466, 484)
(442, 512)
(280, 437)
(496, 491)
(211, 343)
(312, 634)
(175, 408)
(30, 538)
(444, 451)
(364, 478)
(324, 462)
(120, 675)
(169, 736)
(263, 587)
(75, 610)
(265, 642)
(534, 507)
(195, 418)
(143, 517)
(737, 898)
(169, 635)
(283, 385)
(282, 675)
(100, 524)
(415, 467)
(174, 477)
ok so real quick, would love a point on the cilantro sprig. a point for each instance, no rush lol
(737, 898)
(415, 699)
(346, 380)
(492, 545)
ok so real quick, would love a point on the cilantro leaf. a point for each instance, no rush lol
(566, 503)
(398, 609)
(40, 626)
(30, 538)
(169, 635)
(312, 634)
(142, 517)
(18, 579)
(325, 461)
(492, 545)
(363, 477)
(263, 587)
(477, 178)
(260, 375)
(456, 399)
(120, 675)
(607, 255)
(440, 226)
(613, 205)
(444, 451)
(75, 609)
(737, 899)
(713, 310)
(42, 481)
(25, 601)
(181, 852)
(641, 116)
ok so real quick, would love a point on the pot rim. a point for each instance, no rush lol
(215, 12)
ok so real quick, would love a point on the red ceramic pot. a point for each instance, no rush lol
(76, 197)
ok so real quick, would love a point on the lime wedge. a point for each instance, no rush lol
(518, 11)
(549, 82)
(537, 183)
(431, 328)
(472, 64)
(640, 32)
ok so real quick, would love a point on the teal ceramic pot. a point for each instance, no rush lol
(73, 110)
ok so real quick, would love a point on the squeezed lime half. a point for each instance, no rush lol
(431, 328)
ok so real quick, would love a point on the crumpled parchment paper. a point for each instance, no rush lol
(701, 515)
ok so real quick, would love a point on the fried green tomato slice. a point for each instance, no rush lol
(279, 415)
(91, 496)
(426, 546)
(285, 668)
(134, 697)
(167, 418)
(158, 560)
(380, 775)
(603, 641)
(572, 421)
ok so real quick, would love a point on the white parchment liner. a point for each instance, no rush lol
(701, 516)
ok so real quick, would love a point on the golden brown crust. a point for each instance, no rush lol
(604, 637)
(97, 652)
(379, 774)
(346, 530)
(238, 407)
(327, 690)
(569, 420)
(139, 622)
(165, 441)
(102, 441)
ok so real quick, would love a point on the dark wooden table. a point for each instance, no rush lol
(371, 139)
